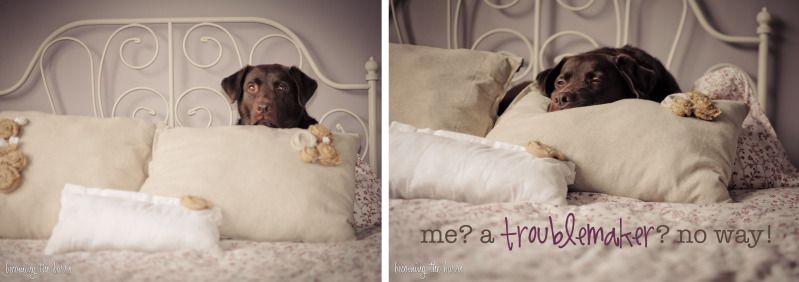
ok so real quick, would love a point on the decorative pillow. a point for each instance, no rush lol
(457, 90)
(94, 219)
(265, 191)
(459, 167)
(367, 197)
(107, 152)
(522, 105)
(761, 160)
(634, 148)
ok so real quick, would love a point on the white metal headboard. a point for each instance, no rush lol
(173, 98)
(538, 44)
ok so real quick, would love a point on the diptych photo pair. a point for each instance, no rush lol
(399, 140)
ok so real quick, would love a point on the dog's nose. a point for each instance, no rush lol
(262, 108)
(565, 98)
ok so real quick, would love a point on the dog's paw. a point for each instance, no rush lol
(541, 150)
(195, 203)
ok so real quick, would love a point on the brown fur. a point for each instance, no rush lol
(604, 75)
(271, 95)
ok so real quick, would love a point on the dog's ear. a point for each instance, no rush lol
(546, 78)
(640, 79)
(541, 80)
(510, 95)
(306, 86)
(233, 84)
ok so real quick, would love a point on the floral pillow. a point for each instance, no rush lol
(367, 198)
(761, 161)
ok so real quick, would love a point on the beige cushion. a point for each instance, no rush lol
(265, 191)
(109, 152)
(522, 105)
(457, 90)
(634, 148)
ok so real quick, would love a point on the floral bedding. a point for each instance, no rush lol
(23, 260)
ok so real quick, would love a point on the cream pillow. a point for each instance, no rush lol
(457, 90)
(634, 148)
(107, 152)
(524, 105)
(460, 167)
(265, 191)
(93, 219)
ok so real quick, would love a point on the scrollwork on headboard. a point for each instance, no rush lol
(537, 43)
(171, 96)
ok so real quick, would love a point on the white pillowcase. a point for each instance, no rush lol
(454, 166)
(102, 219)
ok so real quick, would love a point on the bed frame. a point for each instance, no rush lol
(173, 98)
(537, 45)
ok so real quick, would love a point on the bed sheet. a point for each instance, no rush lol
(241, 261)
(767, 248)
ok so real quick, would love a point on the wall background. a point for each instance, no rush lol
(653, 24)
(340, 35)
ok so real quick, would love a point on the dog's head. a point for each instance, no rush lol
(594, 78)
(271, 95)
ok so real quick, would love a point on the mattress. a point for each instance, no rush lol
(754, 238)
(359, 260)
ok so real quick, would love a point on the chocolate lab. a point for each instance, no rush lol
(601, 76)
(271, 95)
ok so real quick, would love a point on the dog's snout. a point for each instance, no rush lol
(262, 106)
(565, 98)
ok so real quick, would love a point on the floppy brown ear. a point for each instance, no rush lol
(306, 86)
(541, 80)
(233, 84)
(546, 78)
(510, 95)
(640, 79)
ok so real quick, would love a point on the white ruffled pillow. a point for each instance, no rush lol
(94, 219)
(454, 166)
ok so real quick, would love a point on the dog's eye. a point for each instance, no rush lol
(282, 88)
(560, 82)
(252, 88)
